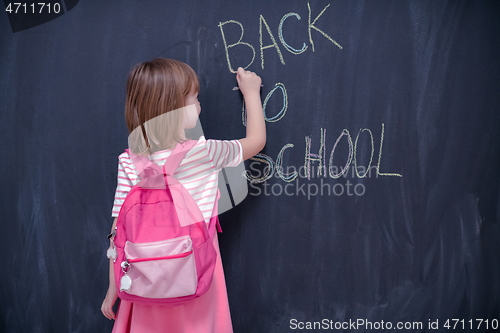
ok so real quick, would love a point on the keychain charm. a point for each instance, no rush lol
(125, 281)
(111, 253)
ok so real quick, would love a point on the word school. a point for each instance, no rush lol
(322, 170)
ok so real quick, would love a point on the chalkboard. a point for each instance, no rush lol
(375, 205)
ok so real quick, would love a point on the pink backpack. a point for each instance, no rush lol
(165, 251)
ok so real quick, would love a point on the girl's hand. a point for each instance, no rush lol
(248, 82)
(109, 301)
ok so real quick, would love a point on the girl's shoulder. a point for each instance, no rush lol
(124, 156)
(211, 147)
(201, 144)
(125, 159)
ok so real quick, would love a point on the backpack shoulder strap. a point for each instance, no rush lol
(176, 157)
(187, 210)
(143, 165)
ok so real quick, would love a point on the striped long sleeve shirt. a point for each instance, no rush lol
(198, 171)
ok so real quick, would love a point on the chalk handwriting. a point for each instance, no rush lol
(282, 40)
(312, 26)
(279, 115)
(268, 171)
(309, 158)
(276, 168)
(274, 44)
(380, 157)
(355, 152)
(239, 42)
(320, 157)
(262, 22)
(287, 177)
(349, 157)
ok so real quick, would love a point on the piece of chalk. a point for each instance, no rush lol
(237, 88)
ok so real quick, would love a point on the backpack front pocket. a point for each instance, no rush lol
(163, 269)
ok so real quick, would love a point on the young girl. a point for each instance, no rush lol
(154, 88)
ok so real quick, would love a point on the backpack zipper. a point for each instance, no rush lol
(174, 256)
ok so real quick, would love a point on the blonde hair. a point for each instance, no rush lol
(156, 88)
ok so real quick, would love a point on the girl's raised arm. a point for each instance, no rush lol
(249, 84)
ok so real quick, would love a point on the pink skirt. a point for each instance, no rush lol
(206, 314)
